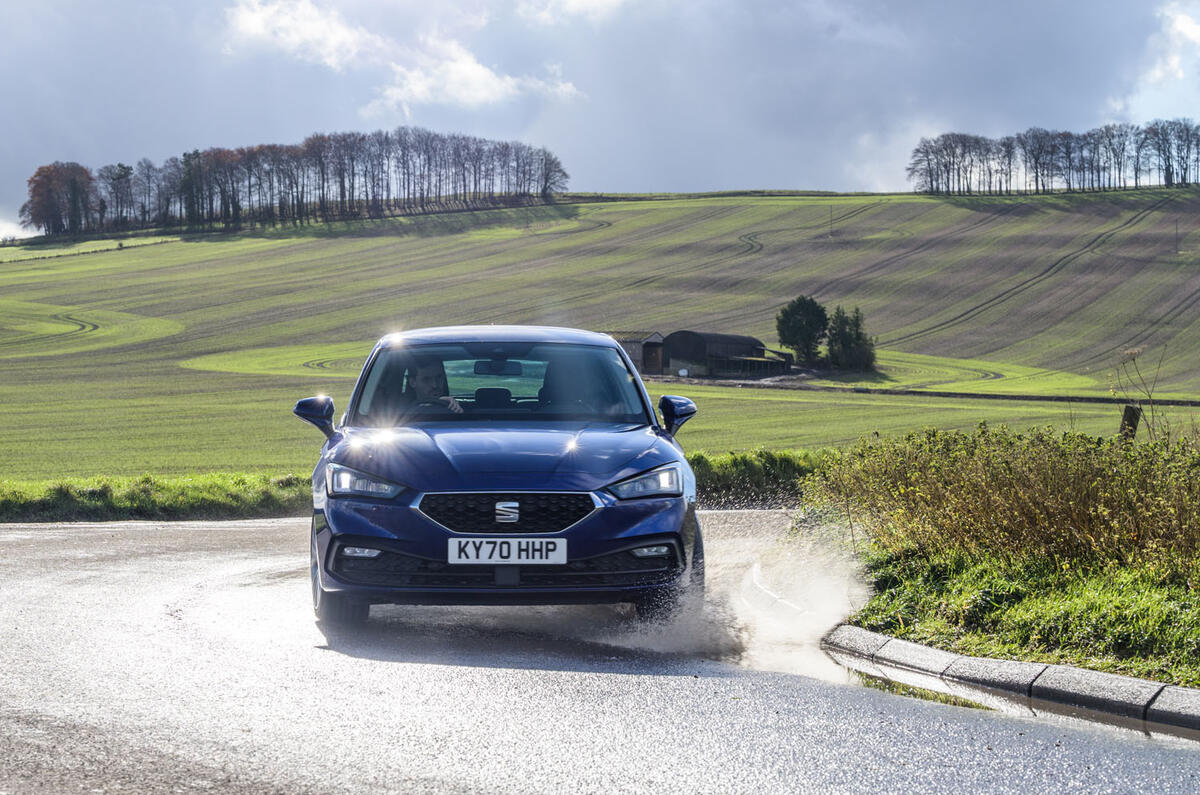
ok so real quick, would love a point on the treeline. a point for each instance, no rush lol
(1112, 157)
(327, 177)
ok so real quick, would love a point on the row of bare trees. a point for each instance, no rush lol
(1162, 152)
(327, 177)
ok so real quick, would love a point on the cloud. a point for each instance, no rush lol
(444, 72)
(555, 12)
(1179, 41)
(301, 29)
(10, 228)
(434, 69)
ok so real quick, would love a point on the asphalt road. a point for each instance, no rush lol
(179, 657)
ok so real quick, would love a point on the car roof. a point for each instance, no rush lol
(453, 334)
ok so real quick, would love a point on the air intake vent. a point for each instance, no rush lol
(494, 512)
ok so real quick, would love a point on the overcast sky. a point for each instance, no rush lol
(633, 95)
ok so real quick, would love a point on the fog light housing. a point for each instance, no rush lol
(361, 552)
(656, 551)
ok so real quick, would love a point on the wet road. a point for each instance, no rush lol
(180, 657)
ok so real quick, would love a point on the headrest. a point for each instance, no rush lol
(492, 397)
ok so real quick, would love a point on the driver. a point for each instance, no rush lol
(428, 380)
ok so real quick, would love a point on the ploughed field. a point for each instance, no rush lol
(178, 354)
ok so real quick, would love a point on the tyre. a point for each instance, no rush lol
(667, 604)
(336, 609)
(697, 583)
(659, 606)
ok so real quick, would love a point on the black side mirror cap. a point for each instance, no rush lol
(317, 410)
(675, 411)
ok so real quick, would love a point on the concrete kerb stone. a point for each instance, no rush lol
(1176, 706)
(1013, 676)
(1126, 696)
(915, 657)
(855, 640)
(1119, 695)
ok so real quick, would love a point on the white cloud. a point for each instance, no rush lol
(434, 69)
(1168, 86)
(301, 29)
(872, 165)
(553, 12)
(10, 228)
(1180, 42)
(444, 72)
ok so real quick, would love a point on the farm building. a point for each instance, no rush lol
(645, 348)
(703, 353)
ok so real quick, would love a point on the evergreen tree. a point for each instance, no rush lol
(849, 346)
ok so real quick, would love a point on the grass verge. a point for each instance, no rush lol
(762, 478)
(1048, 547)
(209, 496)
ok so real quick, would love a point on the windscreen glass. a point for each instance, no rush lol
(511, 381)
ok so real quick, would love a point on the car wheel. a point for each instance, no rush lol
(697, 582)
(335, 609)
(660, 606)
(669, 603)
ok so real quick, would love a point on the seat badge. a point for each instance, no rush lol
(508, 512)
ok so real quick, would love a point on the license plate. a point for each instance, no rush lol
(523, 551)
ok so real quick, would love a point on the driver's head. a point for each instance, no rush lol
(429, 379)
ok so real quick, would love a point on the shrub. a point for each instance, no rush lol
(1068, 498)
(762, 478)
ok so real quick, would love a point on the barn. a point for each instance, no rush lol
(645, 348)
(707, 353)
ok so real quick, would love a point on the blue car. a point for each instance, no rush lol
(501, 465)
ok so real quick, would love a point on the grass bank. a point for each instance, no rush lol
(761, 478)
(235, 495)
(1049, 547)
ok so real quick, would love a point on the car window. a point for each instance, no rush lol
(510, 381)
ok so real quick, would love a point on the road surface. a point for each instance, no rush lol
(149, 657)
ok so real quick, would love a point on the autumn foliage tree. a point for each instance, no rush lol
(332, 176)
(60, 198)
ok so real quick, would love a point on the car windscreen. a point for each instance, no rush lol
(509, 381)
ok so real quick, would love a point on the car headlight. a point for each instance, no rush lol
(342, 481)
(662, 482)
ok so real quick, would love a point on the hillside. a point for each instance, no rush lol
(188, 335)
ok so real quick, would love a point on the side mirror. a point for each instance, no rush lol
(676, 411)
(317, 410)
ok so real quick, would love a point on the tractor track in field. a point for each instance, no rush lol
(80, 327)
(753, 246)
(1172, 313)
(603, 290)
(887, 262)
(1053, 268)
(884, 263)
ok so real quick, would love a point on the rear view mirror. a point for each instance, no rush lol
(497, 367)
(675, 411)
(317, 410)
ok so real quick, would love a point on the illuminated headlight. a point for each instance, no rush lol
(344, 481)
(361, 552)
(662, 482)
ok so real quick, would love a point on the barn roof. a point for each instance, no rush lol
(635, 336)
(710, 337)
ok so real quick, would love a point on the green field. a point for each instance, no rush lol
(175, 354)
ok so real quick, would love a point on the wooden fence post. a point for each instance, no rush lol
(1129, 421)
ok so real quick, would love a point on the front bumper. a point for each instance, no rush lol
(413, 569)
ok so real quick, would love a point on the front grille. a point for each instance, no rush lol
(395, 570)
(537, 512)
